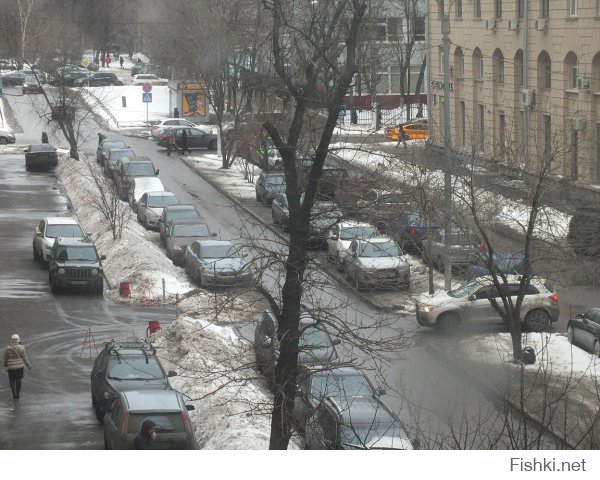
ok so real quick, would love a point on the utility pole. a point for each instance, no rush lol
(447, 152)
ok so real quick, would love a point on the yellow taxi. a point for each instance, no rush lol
(415, 130)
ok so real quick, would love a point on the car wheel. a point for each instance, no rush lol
(212, 145)
(99, 289)
(448, 322)
(99, 413)
(597, 348)
(3, 141)
(54, 287)
(570, 335)
(440, 264)
(36, 255)
(537, 320)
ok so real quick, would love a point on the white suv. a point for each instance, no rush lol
(341, 235)
(48, 230)
(471, 304)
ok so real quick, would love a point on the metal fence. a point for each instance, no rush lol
(387, 117)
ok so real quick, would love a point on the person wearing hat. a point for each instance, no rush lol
(145, 439)
(15, 361)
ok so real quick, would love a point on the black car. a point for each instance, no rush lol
(113, 157)
(122, 366)
(31, 85)
(16, 77)
(66, 76)
(75, 263)
(268, 185)
(316, 345)
(40, 157)
(584, 330)
(141, 67)
(175, 212)
(412, 231)
(196, 138)
(105, 146)
(99, 79)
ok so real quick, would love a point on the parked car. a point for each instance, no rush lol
(377, 262)
(41, 156)
(341, 235)
(506, 263)
(135, 167)
(105, 146)
(48, 230)
(98, 79)
(14, 78)
(139, 186)
(142, 78)
(362, 424)
(416, 130)
(141, 67)
(167, 123)
(75, 263)
(463, 249)
(181, 233)
(67, 76)
(31, 85)
(217, 263)
(584, 330)
(122, 366)
(196, 138)
(413, 230)
(175, 212)
(269, 184)
(6, 137)
(344, 384)
(166, 408)
(114, 155)
(151, 205)
(471, 304)
(315, 345)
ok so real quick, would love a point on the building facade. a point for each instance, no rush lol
(524, 82)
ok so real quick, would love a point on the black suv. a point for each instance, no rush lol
(100, 79)
(123, 366)
(75, 263)
(128, 170)
(362, 423)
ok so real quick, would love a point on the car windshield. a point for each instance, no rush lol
(275, 180)
(114, 156)
(53, 231)
(465, 290)
(509, 264)
(42, 147)
(313, 337)
(325, 210)
(177, 214)
(379, 249)
(460, 238)
(162, 201)
(382, 435)
(168, 422)
(195, 230)
(139, 169)
(134, 368)
(110, 145)
(350, 233)
(81, 254)
(220, 251)
(331, 384)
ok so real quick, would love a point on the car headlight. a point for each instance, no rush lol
(61, 271)
(426, 308)
(179, 248)
(94, 272)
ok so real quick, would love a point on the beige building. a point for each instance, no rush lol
(549, 111)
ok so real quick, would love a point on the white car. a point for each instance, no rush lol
(341, 235)
(472, 304)
(151, 205)
(174, 123)
(48, 230)
(377, 262)
(142, 78)
(141, 185)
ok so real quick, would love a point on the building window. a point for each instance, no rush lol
(547, 129)
(477, 9)
(498, 67)
(458, 8)
(521, 8)
(463, 129)
(571, 70)
(518, 65)
(574, 153)
(477, 64)
(442, 9)
(441, 57)
(544, 70)
(545, 10)
(459, 63)
(575, 74)
(498, 8)
(598, 152)
(481, 128)
(395, 74)
(502, 134)
(573, 8)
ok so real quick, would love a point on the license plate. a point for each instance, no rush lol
(79, 282)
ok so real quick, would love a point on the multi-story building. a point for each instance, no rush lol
(525, 82)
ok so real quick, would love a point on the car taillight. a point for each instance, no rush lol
(412, 231)
(553, 297)
(124, 426)
(163, 136)
(188, 425)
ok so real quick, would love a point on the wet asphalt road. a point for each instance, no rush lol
(55, 397)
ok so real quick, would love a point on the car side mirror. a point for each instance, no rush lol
(171, 373)
(213, 234)
(190, 407)
(244, 255)
(579, 315)
(472, 298)
(336, 341)
(381, 392)
(156, 171)
(102, 257)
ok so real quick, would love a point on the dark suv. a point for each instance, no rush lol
(128, 170)
(100, 79)
(124, 366)
(75, 263)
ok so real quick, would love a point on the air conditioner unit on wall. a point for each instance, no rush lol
(514, 24)
(541, 24)
(490, 24)
(579, 124)
(583, 83)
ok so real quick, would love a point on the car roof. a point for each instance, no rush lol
(61, 221)
(364, 411)
(42, 147)
(338, 371)
(181, 206)
(213, 243)
(513, 278)
(188, 221)
(74, 241)
(160, 193)
(380, 239)
(354, 223)
(159, 400)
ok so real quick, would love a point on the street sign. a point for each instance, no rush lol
(147, 97)
(147, 87)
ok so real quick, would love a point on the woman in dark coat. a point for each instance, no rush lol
(145, 439)
(184, 142)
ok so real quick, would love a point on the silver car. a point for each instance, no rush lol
(463, 249)
(471, 304)
(151, 205)
(182, 233)
(6, 137)
(341, 235)
(48, 230)
(217, 263)
(377, 262)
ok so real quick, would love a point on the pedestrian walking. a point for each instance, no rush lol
(15, 361)
(183, 142)
(45, 137)
(121, 62)
(171, 142)
(100, 138)
(175, 112)
(145, 440)
(107, 60)
(420, 111)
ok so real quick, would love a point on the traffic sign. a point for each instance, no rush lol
(147, 97)
(147, 87)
